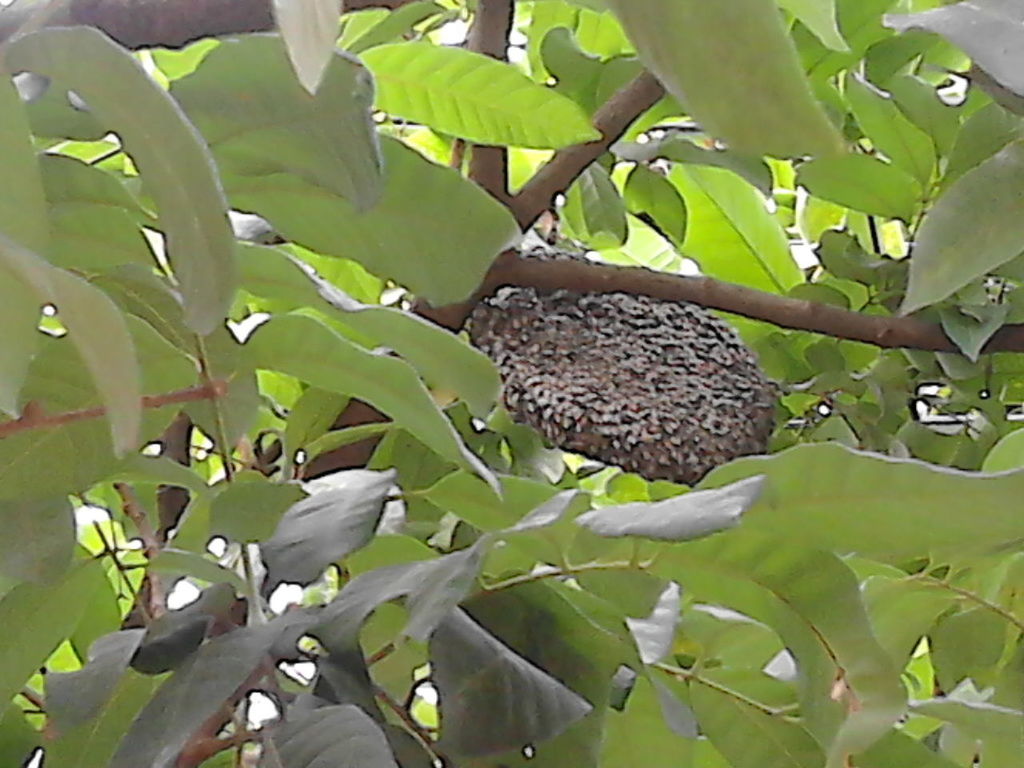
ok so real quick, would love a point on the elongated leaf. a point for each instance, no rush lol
(166, 148)
(302, 347)
(469, 665)
(719, 59)
(32, 634)
(259, 121)
(681, 518)
(864, 184)
(36, 538)
(972, 229)
(655, 633)
(819, 16)
(326, 526)
(730, 233)
(877, 506)
(342, 736)
(594, 209)
(97, 329)
(652, 197)
(991, 32)
(978, 718)
(748, 737)
(411, 235)
(309, 29)
(251, 506)
(474, 97)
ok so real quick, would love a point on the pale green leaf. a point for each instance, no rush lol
(819, 16)
(309, 29)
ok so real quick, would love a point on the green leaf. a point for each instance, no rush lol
(394, 24)
(819, 16)
(176, 563)
(302, 347)
(719, 59)
(651, 195)
(342, 736)
(36, 619)
(97, 329)
(692, 515)
(983, 134)
(410, 236)
(594, 209)
(1007, 453)
(654, 635)
(906, 145)
(37, 537)
(641, 730)
(259, 121)
(980, 719)
(469, 95)
(179, 172)
(309, 30)
(919, 101)
(251, 506)
(969, 327)
(864, 184)
(750, 738)
(468, 665)
(730, 233)
(897, 748)
(877, 506)
(991, 32)
(972, 229)
(326, 527)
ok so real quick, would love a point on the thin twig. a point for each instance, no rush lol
(973, 597)
(34, 417)
(689, 676)
(418, 731)
(558, 573)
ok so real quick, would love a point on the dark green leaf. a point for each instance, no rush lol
(342, 736)
(259, 121)
(250, 507)
(410, 235)
(972, 229)
(650, 194)
(719, 60)
(474, 97)
(864, 184)
(692, 515)
(969, 327)
(594, 209)
(174, 161)
(327, 526)
(641, 730)
(493, 700)
(36, 538)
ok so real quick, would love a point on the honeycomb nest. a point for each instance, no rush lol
(661, 388)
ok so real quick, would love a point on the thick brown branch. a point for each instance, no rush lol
(891, 332)
(612, 120)
(172, 24)
(35, 418)
(488, 166)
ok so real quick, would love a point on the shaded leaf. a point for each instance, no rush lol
(972, 229)
(327, 526)
(37, 537)
(259, 121)
(652, 195)
(250, 507)
(481, 681)
(342, 736)
(864, 184)
(178, 562)
(654, 635)
(469, 95)
(690, 516)
(719, 59)
(179, 172)
(969, 327)
(641, 730)
(409, 235)
(594, 209)
(302, 347)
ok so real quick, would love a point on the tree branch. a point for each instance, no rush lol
(34, 417)
(488, 166)
(612, 120)
(148, 23)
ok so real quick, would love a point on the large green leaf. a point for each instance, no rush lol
(23, 220)
(97, 329)
(719, 59)
(37, 537)
(342, 736)
(730, 233)
(835, 498)
(37, 618)
(973, 228)
(173, 159)
(416, 234)
(473, 96)
(594, 209)
(302, 347)
(259, 121)
(864, 184)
